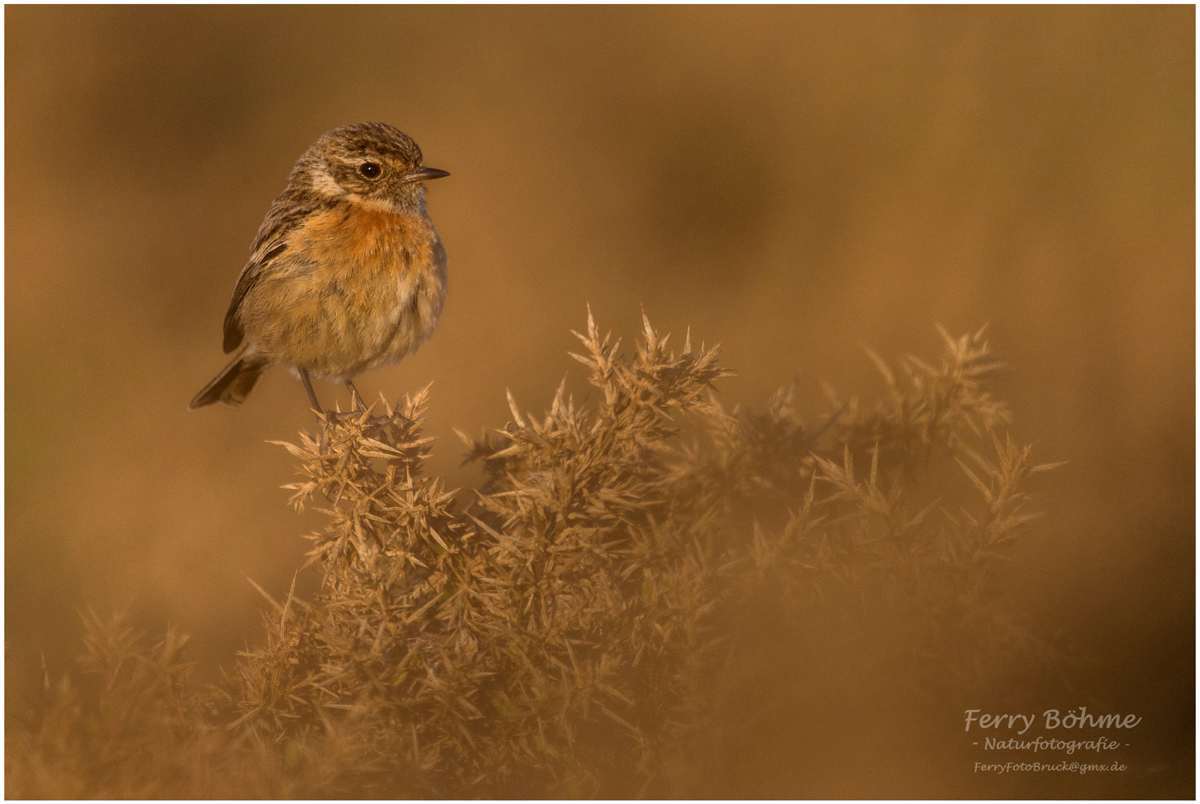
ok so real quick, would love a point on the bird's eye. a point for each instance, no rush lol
(370, 170)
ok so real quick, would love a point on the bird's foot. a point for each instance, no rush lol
(360, 416)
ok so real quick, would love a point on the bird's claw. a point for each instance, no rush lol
(330, 418)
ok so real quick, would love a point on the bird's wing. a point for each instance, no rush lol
(284, 217)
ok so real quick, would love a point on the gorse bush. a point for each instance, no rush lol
(576, 626)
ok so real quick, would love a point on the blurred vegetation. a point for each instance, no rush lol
(576, 626)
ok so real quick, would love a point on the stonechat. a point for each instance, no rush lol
(346, 273)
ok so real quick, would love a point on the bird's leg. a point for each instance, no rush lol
(316, 407)
(312, 395)
(359, 404)
(329, 416)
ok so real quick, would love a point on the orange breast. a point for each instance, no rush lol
(358, 287)
(355, 237)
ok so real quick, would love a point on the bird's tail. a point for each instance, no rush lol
(233, 383)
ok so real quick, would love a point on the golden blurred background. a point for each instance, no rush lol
(789, 182)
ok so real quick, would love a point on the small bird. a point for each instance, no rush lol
(346, 273)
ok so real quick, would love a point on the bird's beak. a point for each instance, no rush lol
(423, 174)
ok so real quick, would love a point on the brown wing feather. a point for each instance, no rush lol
(253, 271)
(288, 211)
